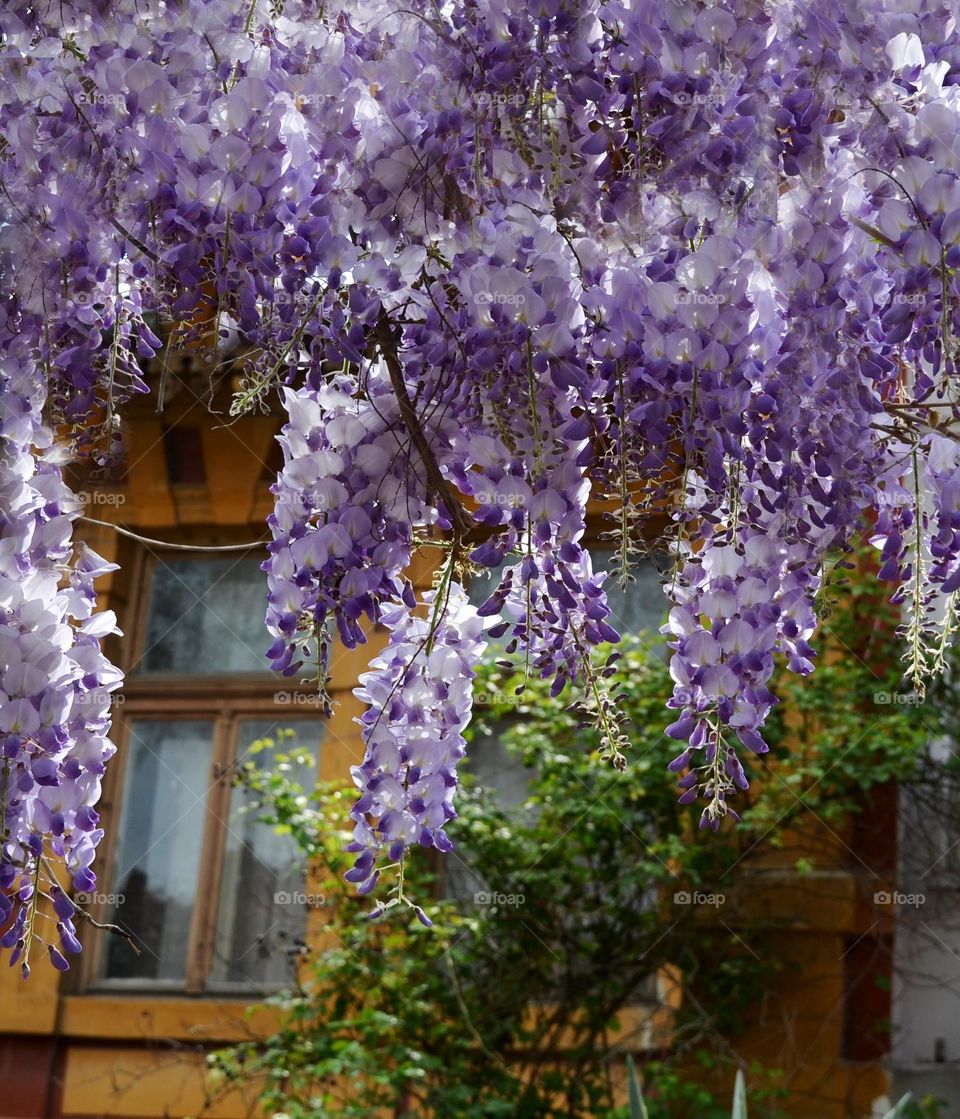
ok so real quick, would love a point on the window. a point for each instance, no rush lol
(205, 616)
(641, 607)
(210, 895)
(638, 609)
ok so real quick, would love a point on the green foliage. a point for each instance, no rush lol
(930, 1107)
(899, 1109)
(638, 1109)
(739, 1098)
(669, 1094)
(553, 920)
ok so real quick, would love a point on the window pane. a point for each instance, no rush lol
(206, 616)
(640, 608)
(157, 854)
(263, 910)
(495, 770)
(502, 776)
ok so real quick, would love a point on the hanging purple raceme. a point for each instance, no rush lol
(55, 682)
(342, 524)
(695, 260)
(419, 693)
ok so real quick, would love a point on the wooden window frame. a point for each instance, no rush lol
(224, 699)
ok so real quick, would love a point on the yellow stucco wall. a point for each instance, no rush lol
(142, 1056)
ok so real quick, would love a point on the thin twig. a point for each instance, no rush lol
(468, 1020)
(116, 929)
(133, 239)
(387, 341)
(169, 544)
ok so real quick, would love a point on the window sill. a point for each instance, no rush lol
(143, 1016)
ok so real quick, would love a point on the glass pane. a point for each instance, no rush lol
(640, 608)
(157, 854)
(502, 776)
(263, 904)
(495, 770)
(206, 616)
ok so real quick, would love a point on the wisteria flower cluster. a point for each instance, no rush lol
(55, 682)
(418, 693)
(693, 261)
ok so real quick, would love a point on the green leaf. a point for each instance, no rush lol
(900, 1108)
(638, 1109)
(739, 1098)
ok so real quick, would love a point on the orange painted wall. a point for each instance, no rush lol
(69, 1054)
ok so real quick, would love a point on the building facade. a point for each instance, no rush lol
(201, 884)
